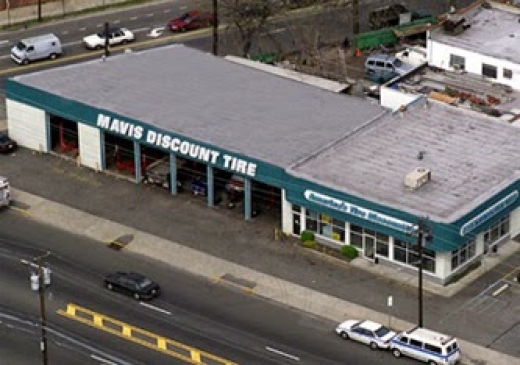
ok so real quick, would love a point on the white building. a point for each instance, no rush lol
(482, 39)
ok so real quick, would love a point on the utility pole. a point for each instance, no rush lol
(39, 281)
(215, 27)
(39, 10)
(422, 232)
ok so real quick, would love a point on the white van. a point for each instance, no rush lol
(36, 48)
(425, 345)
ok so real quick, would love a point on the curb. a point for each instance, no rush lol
(219, 270)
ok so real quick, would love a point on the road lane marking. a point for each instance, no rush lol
(82, 29)
(153, 307)
(134, 18)
(149, 15)
(103, 360)
(141, 336)
(500, 290)
(281, 353)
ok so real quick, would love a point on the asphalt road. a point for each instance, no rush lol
(206, 315)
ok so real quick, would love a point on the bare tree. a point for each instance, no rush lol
(249, 17)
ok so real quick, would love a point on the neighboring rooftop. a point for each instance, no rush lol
(493, 30)
(462, 90)
(192, 93)
(471, 158)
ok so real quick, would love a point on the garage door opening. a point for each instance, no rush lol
(119, 155)
(64, 136)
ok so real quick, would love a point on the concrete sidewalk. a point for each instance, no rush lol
(216, 269)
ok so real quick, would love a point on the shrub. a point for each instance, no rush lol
(307, 236)
(310, 244)
(349, 252)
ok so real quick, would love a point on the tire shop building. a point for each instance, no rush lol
(340, 166)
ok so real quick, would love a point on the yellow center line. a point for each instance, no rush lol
(141, 336)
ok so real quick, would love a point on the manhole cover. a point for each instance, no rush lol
(121, 242)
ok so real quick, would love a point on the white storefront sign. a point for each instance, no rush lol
(177, 145)
(360, 212)
(489, 213)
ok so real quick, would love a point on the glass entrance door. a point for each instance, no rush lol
(369, 246)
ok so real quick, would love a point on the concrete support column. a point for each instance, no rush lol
(137, 162)
(210, 186)
(247, 198)
(173, 174)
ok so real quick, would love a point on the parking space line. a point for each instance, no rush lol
(141, 336)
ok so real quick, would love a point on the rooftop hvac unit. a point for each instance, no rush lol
(417, 178)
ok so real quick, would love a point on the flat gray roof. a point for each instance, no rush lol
(494, 32)
(471, 156)
(207, 98)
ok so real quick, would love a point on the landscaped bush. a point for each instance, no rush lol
(310, 244)
(350, 252)
(307, 236)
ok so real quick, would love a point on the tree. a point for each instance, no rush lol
(248, 17)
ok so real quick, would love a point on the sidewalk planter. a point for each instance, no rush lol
(345, 253)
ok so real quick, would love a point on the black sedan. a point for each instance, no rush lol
(7, 145)
(133, 284)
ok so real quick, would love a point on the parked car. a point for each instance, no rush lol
(115, 36)
(133, 284)
(7, 145)
(192, 20)
(371, 333)
(382, 62)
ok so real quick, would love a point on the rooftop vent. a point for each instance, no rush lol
(417, 178)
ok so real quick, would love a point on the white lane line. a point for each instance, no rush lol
(184, 7)
(4, 41)
(82, 29)
(153, 307)
(281, 353)
(71, 44)
(134, 18)
(102, 360)
(116, 22)
(275, 31)
(100, 25)
(166, 11)
(500, 290)
(149, 15)
(140, 30)
(65, 32)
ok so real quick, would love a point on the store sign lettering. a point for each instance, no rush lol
(360, 212)
(489, 213)
(176, 145)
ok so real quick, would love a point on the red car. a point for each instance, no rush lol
(192, 20)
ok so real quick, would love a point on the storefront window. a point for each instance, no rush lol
(356, 236)
(496, 232)
(325, 225)
(382, 244)
(406, 253)
(462, 254)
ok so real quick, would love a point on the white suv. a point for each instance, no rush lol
(115, 36)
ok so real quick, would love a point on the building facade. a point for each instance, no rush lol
(340, 164)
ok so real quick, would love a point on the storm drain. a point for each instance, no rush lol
(238, 282)
(121, 242)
